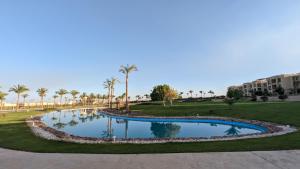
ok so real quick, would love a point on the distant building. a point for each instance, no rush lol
(289, 82)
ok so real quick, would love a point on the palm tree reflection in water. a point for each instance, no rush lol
(59, 124)
(109, 133)
(233, 131)
(73, 122)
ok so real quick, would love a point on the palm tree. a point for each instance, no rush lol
(201, 92)
(107, 85)
(92, 98)
(114, 81)
(18, 89)
(74, 94)
(137, 98)
(123, 96)
(24, 98)
(54, 99)
(83, 98)
(211, 93)
(61, 93)
(98, 97)
(127, 70)
(147, 96)
(2, 98)
(42, 93)
(191, 92)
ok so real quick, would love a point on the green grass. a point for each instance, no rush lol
(14, 134)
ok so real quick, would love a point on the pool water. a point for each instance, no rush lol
(97, 124)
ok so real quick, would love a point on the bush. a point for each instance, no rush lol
(264, 98)
(282, 97)
(253, 98)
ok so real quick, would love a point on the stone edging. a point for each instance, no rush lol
(42, 130)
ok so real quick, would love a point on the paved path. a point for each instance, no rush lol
(241, 160)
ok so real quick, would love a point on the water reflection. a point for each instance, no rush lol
(165, 130)
(233, 131)
(92, 123)
(59, 124)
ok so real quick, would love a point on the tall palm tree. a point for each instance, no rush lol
(84, 98)
(18, 89)
(61, 93)
(127, 70)
(114, 81)
(191, 93)
(201, 92)
(42, 92)
(24, 98)
(2, 98)
(54, 99)
(74, 94)
(107, 85)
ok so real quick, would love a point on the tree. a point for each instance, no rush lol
(24, 98)
(54, 99)
(191, 93)
(201, 93)
(170, 95)
(234, 93)
(98, 97)
(61, 93)
(107, 85)
(2, 98)
(126, 70)
(113, 81)
(83, 98)
(158, 92)
(92, 98)
(211, 93)
(147, 96)
(42, 93)
(18, 89)
(281, 92)
(74, 94)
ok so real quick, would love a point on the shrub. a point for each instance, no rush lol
(264, 98)
(282, 97)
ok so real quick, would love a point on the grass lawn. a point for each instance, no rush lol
(14, 134)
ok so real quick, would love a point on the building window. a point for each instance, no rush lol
(279, 79)
(273, 80)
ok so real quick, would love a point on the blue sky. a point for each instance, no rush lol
(190, 44)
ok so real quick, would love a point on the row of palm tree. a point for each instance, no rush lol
(109, 84)
(202, 93)
(20, 91)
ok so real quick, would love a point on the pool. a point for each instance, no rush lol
(99, 124)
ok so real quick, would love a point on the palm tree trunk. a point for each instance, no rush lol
(108, 97)
(42, 102)
(127, 104)
(60, 100)
(1, 104)
(17, 106)
(111, 97)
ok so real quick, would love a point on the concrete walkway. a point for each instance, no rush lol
(241, 160)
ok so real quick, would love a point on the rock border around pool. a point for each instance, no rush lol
(42, 130)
